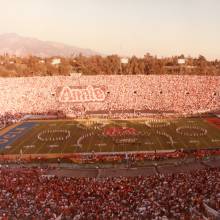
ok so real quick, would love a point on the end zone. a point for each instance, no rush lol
(13, 134)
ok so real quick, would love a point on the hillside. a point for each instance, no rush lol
(14, 44)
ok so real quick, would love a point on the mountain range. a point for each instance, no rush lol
(14, 44)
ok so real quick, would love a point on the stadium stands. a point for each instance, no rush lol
(119, 96)
(33, 194)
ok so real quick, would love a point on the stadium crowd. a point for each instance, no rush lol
(9, 118)
(32, 194)
(124, 96)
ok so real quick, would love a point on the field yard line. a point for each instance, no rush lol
(20, 144)
(206, 139)
(57, 127)
(26, 149)
(149, 139)
(100, 150)
(210, 138)
(102, 138)
(158, 139)
(176, 138)
(179, 139)
(16, 147)
(40, 147)
(69, 145)
(211, 125)
(63, 124)
(89, 145)
(99, 136)
(25, 139)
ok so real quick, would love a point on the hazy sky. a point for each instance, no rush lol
(162, 27)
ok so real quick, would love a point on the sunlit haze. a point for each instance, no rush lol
(125, 27)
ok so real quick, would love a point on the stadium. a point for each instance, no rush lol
(108, 130)
(109, 110)
(105, 114)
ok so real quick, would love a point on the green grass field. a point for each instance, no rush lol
(110, 136)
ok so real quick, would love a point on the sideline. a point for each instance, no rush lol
(135, 171)
(76, 171)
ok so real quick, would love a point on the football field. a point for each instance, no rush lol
(100, 135)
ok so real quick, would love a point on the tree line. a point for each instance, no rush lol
(12, 66)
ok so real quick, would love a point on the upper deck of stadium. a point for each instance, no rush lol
(115, 93)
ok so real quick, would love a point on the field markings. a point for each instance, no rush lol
(211, 129)
(8, 147)
(215, 140)
(15, 133)
(101, 136)
(148, 143)
(20, 141)
(191, 121)
(100, 148)
(19, 146)
(158, 140)
(97, 140)
(69, 145)
(44, 127)
(173, 142)
(177, 138)
(38, 130)
(64, 144)
(207, 138)
(26, 147)
(100, 145)
(194, 141)
(33, 143)
(85, 136)
(90, 143)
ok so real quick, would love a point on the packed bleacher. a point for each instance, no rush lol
(123, 96)
(9, 118)
(33, 194)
